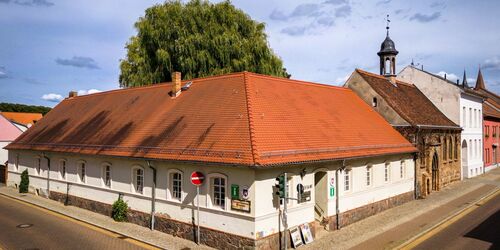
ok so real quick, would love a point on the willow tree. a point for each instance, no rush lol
(198, 39)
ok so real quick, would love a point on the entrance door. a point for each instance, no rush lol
(435, 172)
(3, 175)
(320, 195)
(465, 154)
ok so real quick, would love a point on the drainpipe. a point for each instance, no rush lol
(48, 174)
(337, 199)
(153, 196)
(415, 159)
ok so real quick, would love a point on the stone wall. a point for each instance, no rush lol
(209, 237)
(357, 214)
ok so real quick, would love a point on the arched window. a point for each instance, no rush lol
(62, 169)
(402, 169)
(175, 180)
(464, 116)
(369, 175)
(445, 149)
(387, 172)
(82, 171)
(38, 165)
(374, 102)
(347, 180)
(218, 187)
(106, 174)
(450, 143)
(138, 179)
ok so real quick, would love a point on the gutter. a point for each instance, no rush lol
(153, 196)
(429, 126)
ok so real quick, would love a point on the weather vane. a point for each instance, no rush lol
(388, 21)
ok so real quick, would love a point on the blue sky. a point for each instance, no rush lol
(50, 47)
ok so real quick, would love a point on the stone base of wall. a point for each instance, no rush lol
(357, 214)
(209, 237)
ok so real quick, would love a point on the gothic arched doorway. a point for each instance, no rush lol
(435, 172)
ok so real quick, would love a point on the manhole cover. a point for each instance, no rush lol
(24, 225)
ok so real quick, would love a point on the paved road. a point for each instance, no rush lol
(48, 230)
(480, 229)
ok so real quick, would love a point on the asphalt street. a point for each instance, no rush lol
(479, 229)
(24, 226)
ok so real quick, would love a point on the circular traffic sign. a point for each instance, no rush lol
(197, 178)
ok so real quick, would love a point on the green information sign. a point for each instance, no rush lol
(332, 192)
(235, 192)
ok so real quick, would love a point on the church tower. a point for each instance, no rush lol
(387, 55)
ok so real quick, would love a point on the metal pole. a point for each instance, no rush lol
(198, 214)
(285, 201)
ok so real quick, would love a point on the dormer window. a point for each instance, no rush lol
(374, 102)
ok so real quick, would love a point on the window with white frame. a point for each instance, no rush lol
(374, 102)
(218, 187)
(402, 169)
(475, 118)
(347, 180)
(368, 175)
(387, 171)
(82, 174)
(470, 117)
(176, 185)
(138, 174)
(106, 175)
(38, 165)
(62, 169)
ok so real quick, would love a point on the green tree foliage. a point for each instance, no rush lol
(14, 107)
(198, 39)
(119, 210)
(25, 182)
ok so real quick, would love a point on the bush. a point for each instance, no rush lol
(25, 182)
(119, 211)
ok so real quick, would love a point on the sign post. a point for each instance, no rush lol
(197, 180)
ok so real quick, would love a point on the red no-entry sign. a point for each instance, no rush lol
(197, 178)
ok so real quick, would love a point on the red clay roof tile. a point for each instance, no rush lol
(240, 118)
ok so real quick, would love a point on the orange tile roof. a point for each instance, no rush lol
(240, 118)
(23, 118)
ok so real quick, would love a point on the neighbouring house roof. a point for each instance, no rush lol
(407, 100)
(26, 119)
(241, 118)
(8, 131)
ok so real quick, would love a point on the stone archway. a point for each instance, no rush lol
(435, 172)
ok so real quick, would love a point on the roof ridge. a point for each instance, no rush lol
(255, 157)
(398, 81)
(283, 79)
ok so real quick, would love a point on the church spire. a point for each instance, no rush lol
(480, 81)
(464, 81)
(387, 54)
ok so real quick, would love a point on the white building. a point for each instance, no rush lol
(241, 131)
(461, 105)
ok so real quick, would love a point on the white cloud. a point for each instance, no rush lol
(450, 76)
(88, 92)
(52, 97)
(492, 63)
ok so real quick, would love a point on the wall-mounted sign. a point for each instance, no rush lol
(245, 193)
(197, 178)
(239, 205)
(235, 192)
(332, 181)
(300, 188)
(332, 191)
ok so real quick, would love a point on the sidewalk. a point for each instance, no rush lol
(129, 230)
(395, 226)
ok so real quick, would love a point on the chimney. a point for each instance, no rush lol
(176, 84)
(73, 94)
(445, 76)
(458, 81)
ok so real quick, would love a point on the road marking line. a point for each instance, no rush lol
(90, 226)
(448, 221)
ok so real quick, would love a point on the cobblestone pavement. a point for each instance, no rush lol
(127, 230)
(393, 227)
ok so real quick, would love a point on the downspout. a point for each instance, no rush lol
(337, 199)
(48, 174)
(415, 159)
(153, 196)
